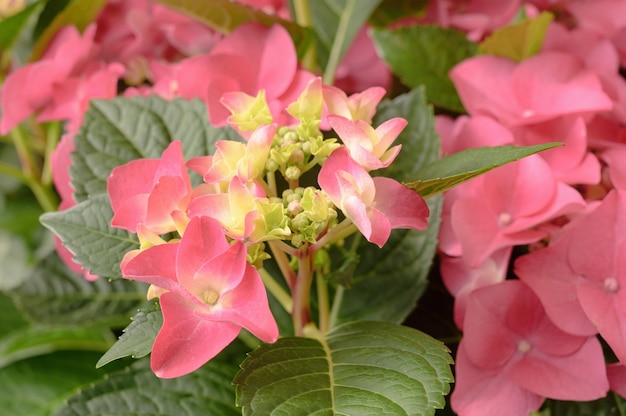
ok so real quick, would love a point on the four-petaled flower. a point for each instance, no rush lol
(208, 293)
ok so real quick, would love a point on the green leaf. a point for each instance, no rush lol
(360, 368)
(336, 24)
(612, 404)
(518, 41)
(400, 269)
(225, 16)
(55, 295)
(423, 55)
(86, 231)
(390, 11)
(117, 131)
(463, 166)
(42, 339)
(14, 256)
(138, 337)
(11, 27)
(137, 391)
(39, 386)
(79, 13)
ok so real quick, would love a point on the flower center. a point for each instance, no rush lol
(611, 285)
(524, 346)
(210, 297)
(505, 219)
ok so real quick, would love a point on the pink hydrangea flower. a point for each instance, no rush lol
(58, 85)
(375, 205)
(358, 106)
(503, 207)
(148, 191)
(540, 88)
(367, 146)
(475, 17)
(617, 378)
(461, 280)
(251, 58)
(512, 356)
(581, 277)
(208, 293)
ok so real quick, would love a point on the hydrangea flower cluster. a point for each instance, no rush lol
(533, 334)
(201, 246)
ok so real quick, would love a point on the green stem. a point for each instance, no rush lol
(29, 165)
(271, 184)
(283, 263)
(275, 289)
(301, 303)
(322, 301)
(31, 174)
(9, 170)
(338, 232)
(618, 404)
(250, 340)
(303, 17)
(334, 310)
(335, 51)
(53, 134)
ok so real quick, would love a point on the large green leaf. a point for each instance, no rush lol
(55, 295)
(20, 339)
(117, 131)
(336, 23)
(360, 368)
(423, 55)
(400, 269)
(226, 15)
(467, 164)
(137, 391)
(137, 338)
(86, 231)
(39, 386)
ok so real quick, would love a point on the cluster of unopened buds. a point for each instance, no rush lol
(288, 192)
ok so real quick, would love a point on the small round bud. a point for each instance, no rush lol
(292, 173)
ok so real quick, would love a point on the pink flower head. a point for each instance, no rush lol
(244, 160)
(540, 88)
(461, 280)
(503, 207)
(207, 294)
(581, 278)
(367, 146)
(512, 356)
(476, 17)
(148, 191)
(358, 106)
(571, 163)
(375, 205)
(33, 87)
(251, 58)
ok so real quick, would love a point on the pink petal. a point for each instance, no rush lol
(617, 378)
(546, 271)
(580, 376)
(187, 341)
(247, 305)
(154, 265)
(202, 241)
(488, 392)
(403, 207)
(222, 273)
